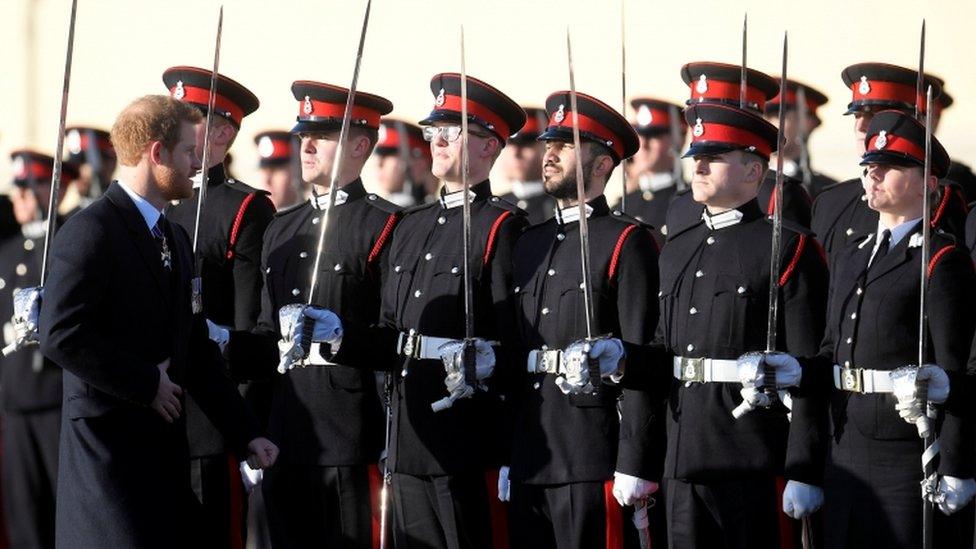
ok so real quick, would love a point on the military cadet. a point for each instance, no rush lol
(116, 316)
(573, 463)
(231, 225)
(327, 416)
(873, 468)
(720, 473)
(279, 168)
(796, 160)
(719, 83)
(654, 172)
(521, 163)
(840, 213)
(402, 163)
(90, 150)
(31, 385)
(439, 458)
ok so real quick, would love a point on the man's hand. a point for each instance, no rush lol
(956, 492)
(801, 500)
(167, 401)
(628, 490)
(504, 485)
(261, 453)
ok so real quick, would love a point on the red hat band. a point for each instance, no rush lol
(311, 109)
(274, 149)
(866, 90)
(84, 143)
(792, 100)
(647, 116)
(885, 142)
(563, 118)
(704, 89)
(201, 97)
(707, 131)
(35, 170)
(452, 103)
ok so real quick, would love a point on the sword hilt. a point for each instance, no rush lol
(593, 366)
(308, 330)
(469, 359)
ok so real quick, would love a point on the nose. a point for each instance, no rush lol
(701, 165)
(307, 145)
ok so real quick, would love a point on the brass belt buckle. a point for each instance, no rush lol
(852, 379)
(550, 361)
(693, 370)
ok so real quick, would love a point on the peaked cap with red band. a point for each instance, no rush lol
(535, 123)
(391, 136)
(79, 140)
(321, 107)
(192, 85)
(33, 168)
(895, 137)
(884, 86)
(598, 122)
(275, 148)
(654, 116)
(815, 100)
(720, 83)
(487, 107)
(717, 129)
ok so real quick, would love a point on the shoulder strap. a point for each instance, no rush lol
(492, 235)
(236, 227)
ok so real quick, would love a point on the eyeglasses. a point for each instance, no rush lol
(448, 133)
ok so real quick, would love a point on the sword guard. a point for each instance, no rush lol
(308, 331)
(469, 357)
(196, 295)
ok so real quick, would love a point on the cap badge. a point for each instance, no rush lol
(644, 116)
(382, 133)
(864, 87)
(882, 140)
(699, 129)
(560, 114)
(179, 93)
(307, 107)
(265, 147)
(702, 85)
(439, 101)
(19, 167)
(73, 141)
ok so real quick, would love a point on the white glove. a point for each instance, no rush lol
(455, 380)
(251, 477)
(954, 493)
(609, 351)
(291, 320)
(218, 334)
(27, 310)
(801, 500)
(905, 385)
(504, 486)
(628, 490)
(751, 371)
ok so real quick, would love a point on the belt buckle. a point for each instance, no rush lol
(411, 344)
(550, 362)
(852, 379)
(693, 370)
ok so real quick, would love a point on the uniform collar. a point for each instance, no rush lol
(654, 182)
(527, 189)
(347, 193)
(597, 206)
(456, 199)
(33, 230)
(746, 212)
(215, 176)
(897, 233)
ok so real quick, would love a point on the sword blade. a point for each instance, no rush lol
(580, 196)
(928, 468)
(743, 78)
(205, 161)
(776, 246)
(337, 163)
(920, 104)
(466, 203)
(623, 95)
(52, 202)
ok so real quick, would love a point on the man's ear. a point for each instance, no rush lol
(491, 148)
(155, 152)
(224, 133)
(603, 166)
(360, 146)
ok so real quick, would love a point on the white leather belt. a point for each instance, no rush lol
(545, 361)
(705, 370)
(316, 356)
(422, 347)
(860, 380)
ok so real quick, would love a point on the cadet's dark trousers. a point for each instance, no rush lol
(217, 483)
(30, 468)
(568, 516)
(433, 512)
(732, 514)
(873, 498)
(318, 506)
